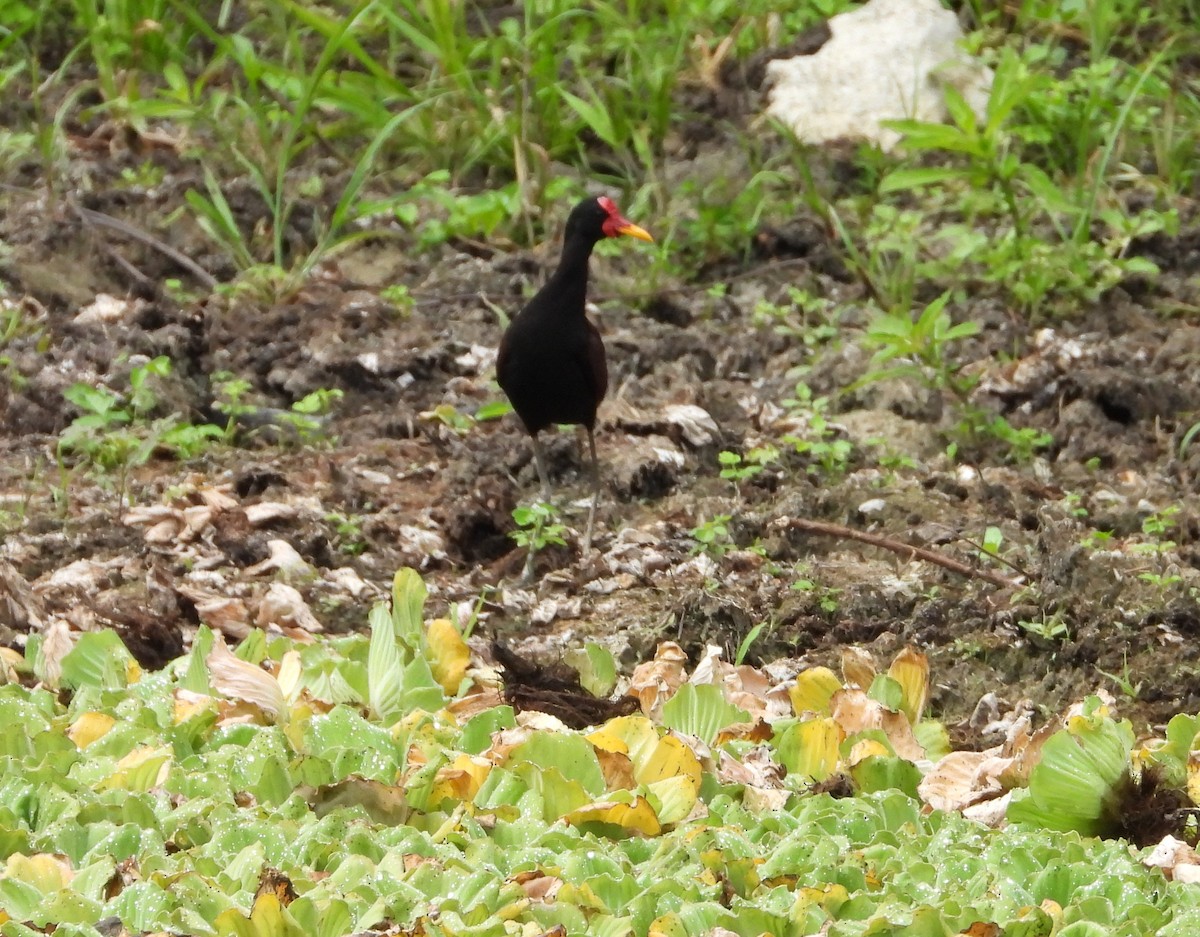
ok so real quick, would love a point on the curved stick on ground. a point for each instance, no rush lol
(898, 547)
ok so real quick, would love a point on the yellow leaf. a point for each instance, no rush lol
(268, 918)
(606, 741)
(669, 925)
(635, 735)
(460, 780)
(140, 770)
(290, 674)
(813, 689)
(89, 727)
(1193, 777)
(654, 757)
(829, 897)
(637, 817)
(818, 741)
(189, 704)
(677, 795)
(43, 871)
(865, 749)
(450, 654)
(910, 669)
(670, 758)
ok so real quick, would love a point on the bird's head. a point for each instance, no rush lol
(596, 218)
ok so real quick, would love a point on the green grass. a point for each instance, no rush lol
(462, 124)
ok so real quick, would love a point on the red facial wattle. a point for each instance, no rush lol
(617, 224)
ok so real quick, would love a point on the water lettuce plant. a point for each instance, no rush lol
(380, 783)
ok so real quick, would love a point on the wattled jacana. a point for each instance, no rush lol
(551, 360)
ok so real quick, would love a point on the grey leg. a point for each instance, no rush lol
(540, 462)
(591, 521)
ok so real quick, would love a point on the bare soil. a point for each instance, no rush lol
(395, 484)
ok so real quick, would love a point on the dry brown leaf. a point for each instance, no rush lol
(856, 712)
(82, 575)
(161, 522)
(989, 812)
(757, 730)
(266, 512)
(283, 558)
(764, 799)
(220, 612)
(538, 886)
(694, 423)
(959, 780)
(217, 497)
(710, 668)
(655, 681)
(240, 680)
(475, 702)
(858, 668)
(283, 605)
(56, 645)
(20, 609)
(164, 532)
(1177, 859)
(196, 519)
(617, 769)
(504, 741)
(350, 581)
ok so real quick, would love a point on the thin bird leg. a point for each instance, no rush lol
(540, 462)
(591, 521)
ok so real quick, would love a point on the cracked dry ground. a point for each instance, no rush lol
(278, 534)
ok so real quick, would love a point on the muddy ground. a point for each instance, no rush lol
(397, 481)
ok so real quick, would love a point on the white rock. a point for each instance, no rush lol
(697, 426)
(887, 60)
(479, 359)
(427, 544)
(104, 309)
(374, 477)
(347, 579)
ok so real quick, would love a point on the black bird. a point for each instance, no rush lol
(551, 361)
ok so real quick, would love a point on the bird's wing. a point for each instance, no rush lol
(595, 363)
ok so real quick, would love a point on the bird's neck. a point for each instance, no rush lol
(571, 277)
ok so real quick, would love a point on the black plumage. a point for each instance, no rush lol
(551, 362)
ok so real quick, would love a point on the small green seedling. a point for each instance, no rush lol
(538, 526)
(712, 536)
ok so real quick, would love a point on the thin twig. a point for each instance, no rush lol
(996, 556)
(127, 266)
(898, 547)
(100, 219)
